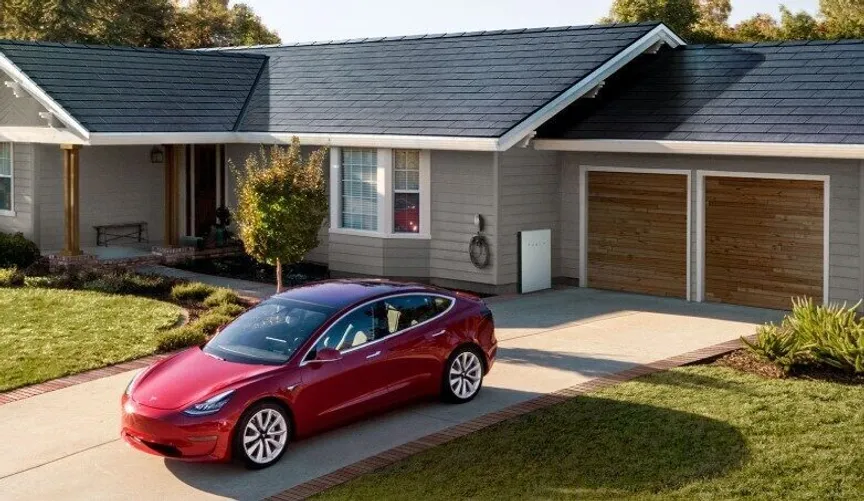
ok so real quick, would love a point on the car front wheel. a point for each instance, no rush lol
(463, 376)
(262, 435)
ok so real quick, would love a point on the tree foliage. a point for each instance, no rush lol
(142, 23)
(281, 204)
(708, 20)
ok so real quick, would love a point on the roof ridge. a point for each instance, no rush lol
(435, 36)
(772, 43)
(129, 48)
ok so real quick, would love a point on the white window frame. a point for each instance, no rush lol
(386, 197)
(11, 176)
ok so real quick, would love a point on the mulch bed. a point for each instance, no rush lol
(745, 361)
(244, 267)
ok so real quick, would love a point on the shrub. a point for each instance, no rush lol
(221, 296)
(181, 337)
(11, 277)
(777, 344)
(210, 322)
(192, 291)
(16, 251)
(227, 309)
(47, 282)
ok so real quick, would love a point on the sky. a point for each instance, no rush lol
(310, 20)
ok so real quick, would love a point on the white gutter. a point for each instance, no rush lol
(24, 82)
(802, 150)
(660, 34)
(348, 140)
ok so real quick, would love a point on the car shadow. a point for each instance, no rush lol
(586, 444)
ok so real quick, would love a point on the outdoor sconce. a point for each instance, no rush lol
(157, 156)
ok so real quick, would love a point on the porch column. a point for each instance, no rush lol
(71, 200)
(172, 196)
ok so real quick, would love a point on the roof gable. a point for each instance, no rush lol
(111, 89)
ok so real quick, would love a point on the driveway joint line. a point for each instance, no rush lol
(61, 458)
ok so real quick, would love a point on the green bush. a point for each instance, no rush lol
(16, 251)
(221, 296)
(181, 337)
(192, 291)
(778, 344)
(47, 282)
(210, 322)
(122, 282)
(227, 309)
(11, 277)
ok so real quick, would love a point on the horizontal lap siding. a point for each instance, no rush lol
(358, 255)
(462, 185)
(530, 199)
(23, 186)
(844, 273)
(406, 258)
(118, 184)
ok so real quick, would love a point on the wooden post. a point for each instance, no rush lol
(172, 196)
(71, 200)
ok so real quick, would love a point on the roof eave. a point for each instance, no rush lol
(530, 124)
(792, 150)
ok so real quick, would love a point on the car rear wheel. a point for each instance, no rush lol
(262, 435)
(463, 376)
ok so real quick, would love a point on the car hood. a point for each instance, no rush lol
(191, 377)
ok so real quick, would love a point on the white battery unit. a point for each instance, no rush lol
(535, 260)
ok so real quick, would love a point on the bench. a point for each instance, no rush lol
(107, 233)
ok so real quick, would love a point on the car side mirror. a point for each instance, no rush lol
(325, 355)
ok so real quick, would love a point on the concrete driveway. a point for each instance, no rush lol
(64, 444)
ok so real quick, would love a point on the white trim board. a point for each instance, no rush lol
(583, 215)
(795, 150)
(700, 225)
(660, 34)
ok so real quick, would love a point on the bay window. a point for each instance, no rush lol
(380, 192)
(6, 178)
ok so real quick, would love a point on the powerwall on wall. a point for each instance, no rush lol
(535, 260)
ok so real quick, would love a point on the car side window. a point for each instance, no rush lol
(404, 312)
(353, 330)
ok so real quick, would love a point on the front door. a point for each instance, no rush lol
(205, 188)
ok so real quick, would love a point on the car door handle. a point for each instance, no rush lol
(440, 333)
(373, 355)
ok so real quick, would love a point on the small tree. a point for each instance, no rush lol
(281, 204)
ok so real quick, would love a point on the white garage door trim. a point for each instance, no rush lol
(700, 221)
(583, 213)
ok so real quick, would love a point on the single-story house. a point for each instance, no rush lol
(728, 173)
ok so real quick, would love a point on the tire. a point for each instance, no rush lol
(259, 450)
(463, 376)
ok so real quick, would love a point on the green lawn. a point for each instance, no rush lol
(48, 333)
(696, 433)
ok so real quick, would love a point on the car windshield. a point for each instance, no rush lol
(270, 333)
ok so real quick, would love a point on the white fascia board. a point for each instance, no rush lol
(659, 34)
(793, 150)
(39, 135)
(338, 140)
(28, 85)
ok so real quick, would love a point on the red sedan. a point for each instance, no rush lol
(307, 360)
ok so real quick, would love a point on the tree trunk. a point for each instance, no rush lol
(278, 276)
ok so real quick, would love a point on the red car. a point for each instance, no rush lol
(307, 360)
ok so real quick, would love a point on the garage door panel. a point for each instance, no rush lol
(637, 232)
(763, 240)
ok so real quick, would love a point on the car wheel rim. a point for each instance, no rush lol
(466, 372)
(265, 436)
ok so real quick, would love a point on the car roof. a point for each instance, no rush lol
(340, 294)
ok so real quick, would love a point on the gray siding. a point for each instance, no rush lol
(529, 199)
(118, 184)
(406, 258)
(845, 278)
(463, 185)
(236, 155)
(356, 255)
(23, 193)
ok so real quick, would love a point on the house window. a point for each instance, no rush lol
(406, 191)
(360, 189)
(5, 177)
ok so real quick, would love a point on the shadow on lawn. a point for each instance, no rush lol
(586, 447)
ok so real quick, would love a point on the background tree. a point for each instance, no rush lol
(842, 18)
(679, 15)
(759, 28)
(142, 23)
(713, 22)
(798, 25)
(281, 205)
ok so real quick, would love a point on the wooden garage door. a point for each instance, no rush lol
(763, 240)
(637, 232)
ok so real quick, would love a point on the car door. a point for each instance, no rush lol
(338, 391)
(416, 324)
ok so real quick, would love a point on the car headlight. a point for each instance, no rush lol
(210, 406)
(133, 382)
